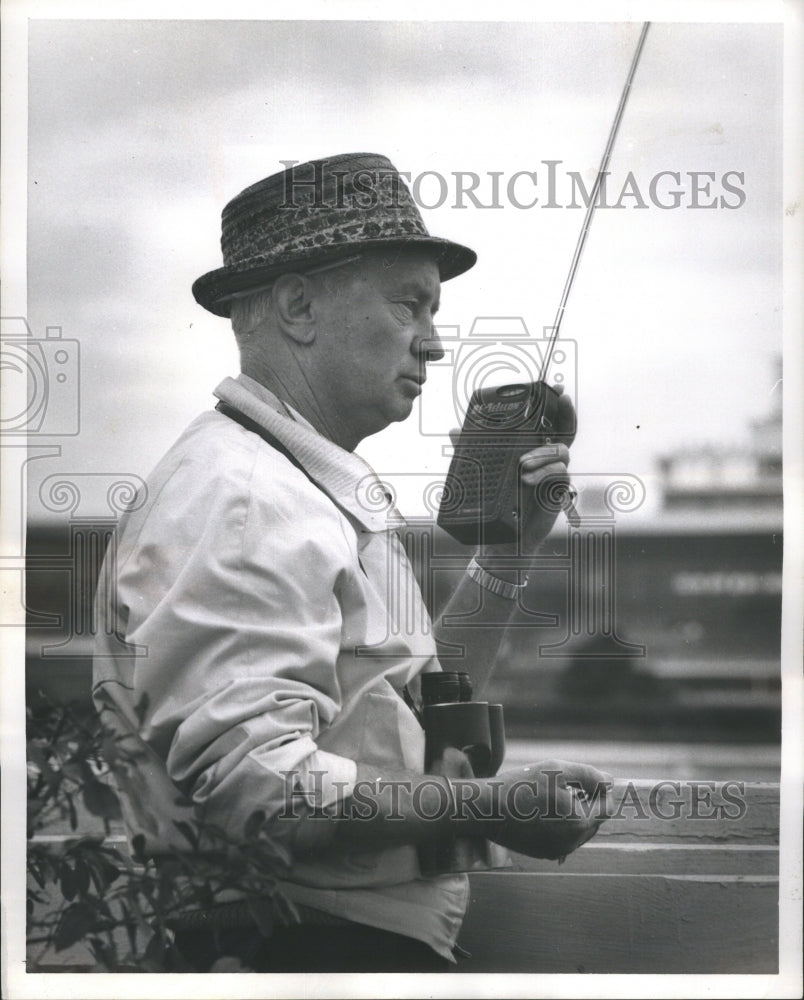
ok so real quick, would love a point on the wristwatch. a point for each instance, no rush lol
(484, 579)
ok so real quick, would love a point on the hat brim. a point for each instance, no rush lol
(214, 289)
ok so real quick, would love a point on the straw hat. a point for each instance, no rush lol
(315, 213)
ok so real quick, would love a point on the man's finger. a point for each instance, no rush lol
(577, 775)
(544, 455)
(554, 473)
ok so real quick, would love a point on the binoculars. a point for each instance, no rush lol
(451, 719)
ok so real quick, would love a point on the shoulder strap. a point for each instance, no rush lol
(267, 436)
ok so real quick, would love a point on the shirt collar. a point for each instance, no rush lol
(341, 474)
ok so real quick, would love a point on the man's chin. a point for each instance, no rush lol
(395, 414)
(398, 408)
(405, 407)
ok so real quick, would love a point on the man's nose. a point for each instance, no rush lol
(430, 349)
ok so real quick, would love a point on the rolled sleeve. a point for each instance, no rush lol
(325, 779)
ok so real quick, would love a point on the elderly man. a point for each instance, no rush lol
(251, 583)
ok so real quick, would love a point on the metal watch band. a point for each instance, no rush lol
(491, 583)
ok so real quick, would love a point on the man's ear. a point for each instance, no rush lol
(293, 303)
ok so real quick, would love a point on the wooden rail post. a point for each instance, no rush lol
(682, 878)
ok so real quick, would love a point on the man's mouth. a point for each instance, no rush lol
(416, 381)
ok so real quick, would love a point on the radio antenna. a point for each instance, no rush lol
(590, 208)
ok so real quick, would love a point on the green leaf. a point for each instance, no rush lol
(87, 775)
(166, 887)
(82, 846)
(281, 858)
(76, 771)
(138, 847)
(75, 923)
(34, 810)
(101, 800)
(154, 956)
(71, 811)
(101, 870)
(67, 881)
(36, 756)
(286, 910)
(254, 824)
(98, 877)
(205, 895)
(36, 871)
(105, 954)
(187, 832)
(81, 877)
(109, 870)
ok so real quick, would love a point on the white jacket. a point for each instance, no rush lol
(273, 622)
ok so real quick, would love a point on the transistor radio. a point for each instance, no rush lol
(482, 501)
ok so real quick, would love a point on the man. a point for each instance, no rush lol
(272, 670)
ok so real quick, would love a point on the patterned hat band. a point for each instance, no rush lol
(330, 266)
(314, 213)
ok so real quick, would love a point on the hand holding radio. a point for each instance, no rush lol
(508, 477)
(543, 475)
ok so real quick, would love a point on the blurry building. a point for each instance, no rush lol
(699, 589)
(694, 648)
(746, 480)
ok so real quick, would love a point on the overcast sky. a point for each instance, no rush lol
(140, 131)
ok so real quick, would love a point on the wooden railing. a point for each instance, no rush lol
(683, 878)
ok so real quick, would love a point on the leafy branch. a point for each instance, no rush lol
(121, 904)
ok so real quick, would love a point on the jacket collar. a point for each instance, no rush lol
(341, 474)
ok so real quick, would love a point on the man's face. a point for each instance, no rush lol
(374, 333)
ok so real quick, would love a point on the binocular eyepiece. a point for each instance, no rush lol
(445, 687)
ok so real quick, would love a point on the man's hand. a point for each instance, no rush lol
(543, 473)
(543, 810)
(547, 810)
